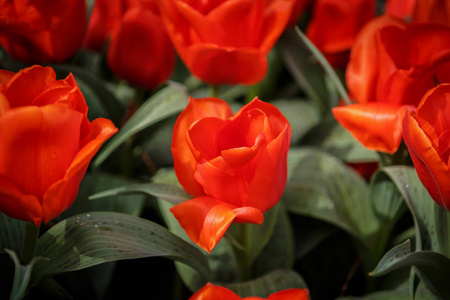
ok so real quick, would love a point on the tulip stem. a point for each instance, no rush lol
(214, 91)
(243, 253)
(29, 242)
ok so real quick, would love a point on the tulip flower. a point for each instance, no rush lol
(334, 25)
(234, 165)
(392, 64)
(36, 31)
(226, 42)
(427, 135)
(215, 292)
(46, 145)
(139, 49)
(435, 11)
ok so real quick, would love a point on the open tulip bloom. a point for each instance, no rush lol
(47, 143)
(234, 165)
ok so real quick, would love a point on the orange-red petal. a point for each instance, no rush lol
(184, 160)
(206, 220)
(377, 126)
(214, 292)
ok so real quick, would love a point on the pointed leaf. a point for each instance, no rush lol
(169, 101)
(22, 275)
(271, 283)
(171, 193)
(432, 267)
(322, 187)
(11, 233)
(91, 239)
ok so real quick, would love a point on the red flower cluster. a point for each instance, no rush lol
(46, 145)
(36, 31)
(393, 64)
(234, 165)
(139, 49)
(215, 292)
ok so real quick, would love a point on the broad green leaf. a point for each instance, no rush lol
(401, 293)
(168, 101)
(22, 275)
(252, 238)
(222, 260)
(322, 187)
(94, 238)
(11, 233)
(271, 283)
(95, 182)
(420, 203)
(337, 141)
(388, 206)
(278, 252)
(171, 193)
(301, 115)
(432, 267)
(442, 219)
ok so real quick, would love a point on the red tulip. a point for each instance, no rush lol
(392, 64)
(427, 136)
(139, 50)
(435, 11)
(215, 292)
(36, 31)
(400, 9)
(234, 165)
(334, 25)
(226, 42)
(47, 143)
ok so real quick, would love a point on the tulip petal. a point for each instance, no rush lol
(18, 205)
(62, 193)
(214, 292)
(217, 65)
(206, 220)
(377, 126)
(291, 294)
(38, 145)
(432, 171)
(27, 84)
(184, 161)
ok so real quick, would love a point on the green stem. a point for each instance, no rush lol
(29, 242)
(243, 253)
(214, 91)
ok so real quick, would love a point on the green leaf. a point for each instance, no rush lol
(11, 233)
(96, 182)
(271, 283)
(91, 239)
(326, 66)
(305, 71)
(432, 267)
(420, 204)
(278, 252)
(401, 293)
(171, 193)
(301, 115)
(322, 187)
(222, 260)
(252, 237)
(169, 101)
(22, 275)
